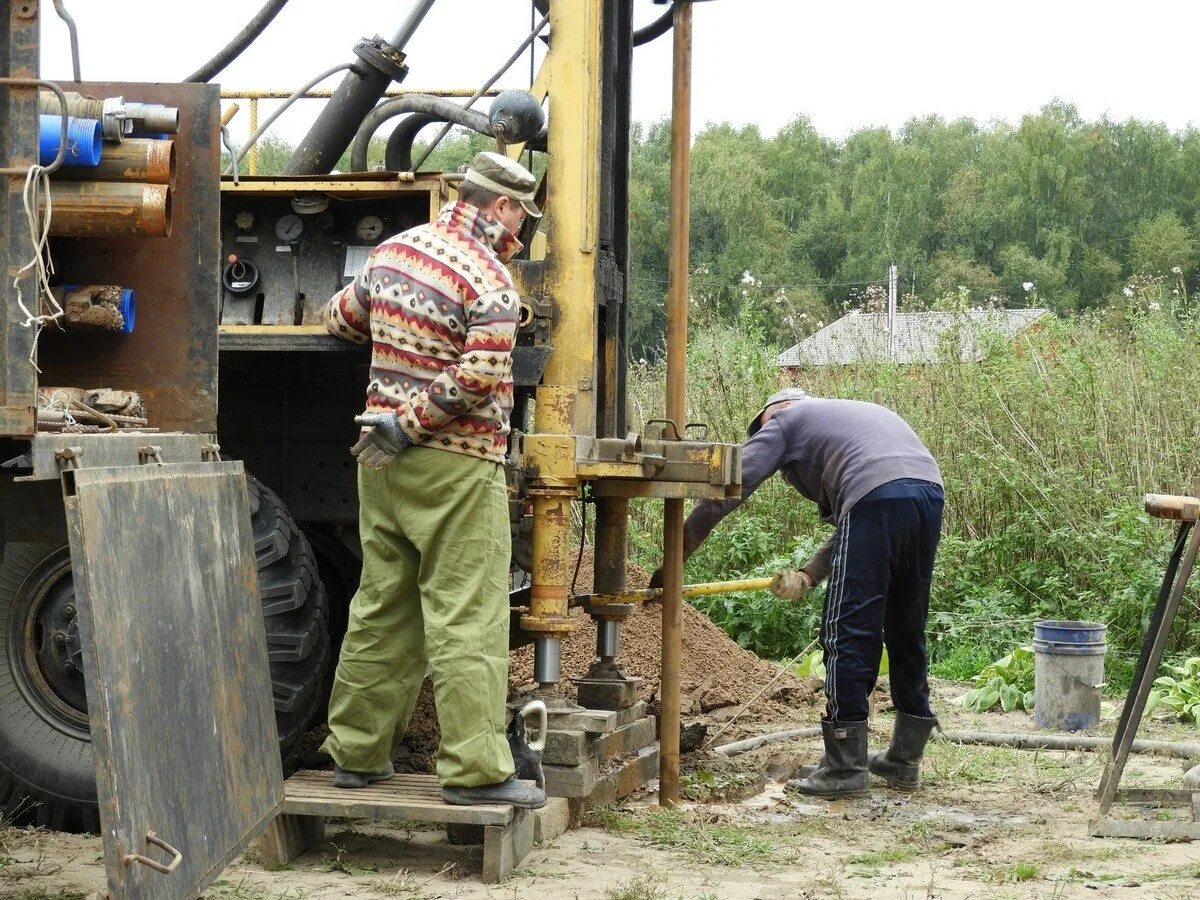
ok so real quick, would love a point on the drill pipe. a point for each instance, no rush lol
(677, 290)
(109, 209)
(134, 159)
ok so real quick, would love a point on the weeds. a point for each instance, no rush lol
(705, 786)
(1046, 448)
(645, 887)
(340, 864)
(405, 884)
(710, 842)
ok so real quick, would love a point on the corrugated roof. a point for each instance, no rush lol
(862, 337)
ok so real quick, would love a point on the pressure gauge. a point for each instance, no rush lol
(369, 228)
(289, 228)
(244, 220)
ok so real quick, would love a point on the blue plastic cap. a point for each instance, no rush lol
(85, 141)
(128, 310)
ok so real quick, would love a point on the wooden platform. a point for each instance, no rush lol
(310, 797)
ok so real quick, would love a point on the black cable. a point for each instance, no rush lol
(241, 41)
(582, 542)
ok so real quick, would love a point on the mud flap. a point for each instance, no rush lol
(175, 662)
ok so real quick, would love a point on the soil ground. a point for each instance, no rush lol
(987, 823)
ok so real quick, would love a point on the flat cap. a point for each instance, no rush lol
(506, 177)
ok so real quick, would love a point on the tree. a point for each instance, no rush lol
(1160, 244)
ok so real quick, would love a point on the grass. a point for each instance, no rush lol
(898, 853)
(644, 887)
(704, 786)
(710, 842)
(407, 884)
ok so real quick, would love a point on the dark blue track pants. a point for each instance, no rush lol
(878, 593)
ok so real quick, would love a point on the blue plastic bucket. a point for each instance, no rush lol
(1068, 672)
(84, 141)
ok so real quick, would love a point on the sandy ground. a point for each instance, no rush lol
(987, 823)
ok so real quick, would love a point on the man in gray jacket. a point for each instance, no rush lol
(873, 479)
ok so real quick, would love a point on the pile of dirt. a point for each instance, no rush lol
(717, 677)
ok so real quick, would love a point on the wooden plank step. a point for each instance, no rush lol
(405, 798)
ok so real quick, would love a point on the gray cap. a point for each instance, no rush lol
(785, 396)
(506, 177)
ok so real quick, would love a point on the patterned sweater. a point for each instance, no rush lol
(441, 311)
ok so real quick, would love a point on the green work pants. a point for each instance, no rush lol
(434, 592)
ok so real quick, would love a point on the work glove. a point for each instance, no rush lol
(384, 438)
(789, 585)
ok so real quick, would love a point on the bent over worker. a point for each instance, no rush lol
(441, 310)
(871, 476)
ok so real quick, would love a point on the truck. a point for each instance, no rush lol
(225, 354)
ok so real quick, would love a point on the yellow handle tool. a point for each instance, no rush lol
(689, 590)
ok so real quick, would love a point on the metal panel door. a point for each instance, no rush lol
(175, 661)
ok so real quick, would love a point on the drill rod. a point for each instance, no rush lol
(689, 590)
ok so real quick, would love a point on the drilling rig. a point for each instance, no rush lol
(226, 356)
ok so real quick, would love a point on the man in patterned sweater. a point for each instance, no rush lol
(440, 309)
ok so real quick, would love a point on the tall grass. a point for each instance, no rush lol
(1046, 446)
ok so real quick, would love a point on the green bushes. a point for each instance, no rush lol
(1046, 449)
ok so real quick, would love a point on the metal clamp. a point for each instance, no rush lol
(148, 453)
(211, 452)
(68, 457)
(152, 838)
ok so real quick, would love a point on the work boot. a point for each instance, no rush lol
(345, 779)
(900, 764)
(512, 792)
(843, 768)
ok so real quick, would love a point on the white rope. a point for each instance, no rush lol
(37, 186)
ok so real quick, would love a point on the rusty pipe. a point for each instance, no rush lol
(677, 290)
(548, 594)
(109, 209)
(134, 159)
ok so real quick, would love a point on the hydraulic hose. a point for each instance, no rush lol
(441, 109)
(240, 42)
(655, 29)
(397, 156)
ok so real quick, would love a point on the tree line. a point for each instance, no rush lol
(788, 231)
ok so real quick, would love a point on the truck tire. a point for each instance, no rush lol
(47, 773)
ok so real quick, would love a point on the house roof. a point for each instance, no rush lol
(862, 337)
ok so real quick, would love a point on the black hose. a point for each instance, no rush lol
(397, 157)
(234, 48)
(655, 29)
(443, 110)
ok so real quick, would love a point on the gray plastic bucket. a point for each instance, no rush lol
(1068, 674)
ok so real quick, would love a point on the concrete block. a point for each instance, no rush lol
(626, 739)
(572, 781)
(551, 820)
(611, 695)
(597, 721)
(566, 748)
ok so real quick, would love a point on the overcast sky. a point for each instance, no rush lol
(844, 65)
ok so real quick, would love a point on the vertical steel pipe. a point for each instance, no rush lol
(677, 298)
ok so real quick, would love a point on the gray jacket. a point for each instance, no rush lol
(834, 452)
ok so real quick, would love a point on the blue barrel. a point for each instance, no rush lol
(1068, 673)
(84, 141)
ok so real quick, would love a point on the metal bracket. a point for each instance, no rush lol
(700, 427)
(211, 452)
(152, 838)
(148, 453)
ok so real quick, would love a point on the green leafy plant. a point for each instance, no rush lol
(1007, 683)
(1179, 691)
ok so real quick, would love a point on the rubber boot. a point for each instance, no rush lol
(900, 764)
(512, 791)
(344, 778)
(843, 768)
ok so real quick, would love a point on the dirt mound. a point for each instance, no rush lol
(718, 676)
